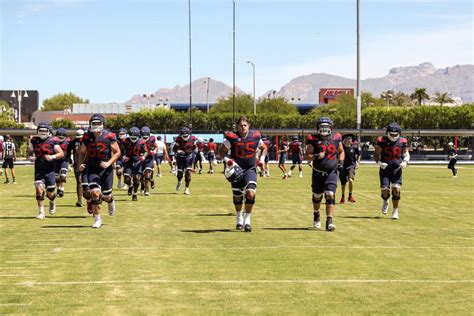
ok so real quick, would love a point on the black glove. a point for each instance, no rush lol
(340, 166)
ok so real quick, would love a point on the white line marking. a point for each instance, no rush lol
(159, 281)
(13, 304)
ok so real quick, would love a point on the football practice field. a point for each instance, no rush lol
(175, 254)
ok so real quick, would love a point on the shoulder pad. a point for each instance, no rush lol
(193, 138)
(153, 138)
(256, 134)
(403, 140)
(309, 137)
(380, 139)
(231, 135)
(337, 136)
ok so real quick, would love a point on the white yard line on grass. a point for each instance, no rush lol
(13, 304)
(159, 281)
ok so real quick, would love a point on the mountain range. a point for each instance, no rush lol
(456, 80)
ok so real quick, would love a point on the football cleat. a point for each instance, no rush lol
(52, 207)
(301, 175)
(317, 224)
(130, 190)
(186, 191)
(134, 197)
(97, 223)
(40, 215)
(60, 193)
(317, 220)
(119, 184)
(351, 199)
(78, 204)
(395, 214)
(384, 208)
(6, 181)
(289, 174)
(125, 187)
(330, 227)
(285, 177)
(147, 193)
(239, 226)
(152, 182)
(342, 201)
(112, 208)
(247, 228)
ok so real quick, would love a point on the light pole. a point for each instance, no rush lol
(233, 64)
(388, 97)
(208, 79)
(148, 96)
(20, 94)
(254, 100)
(190, 70)
(359, 98)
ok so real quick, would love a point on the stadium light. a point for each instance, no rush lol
(359, 98)
(207, 81)
(254, 100)
(20, 94)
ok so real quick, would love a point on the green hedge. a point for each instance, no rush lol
(423, 117)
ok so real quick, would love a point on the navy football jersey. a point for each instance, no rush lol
(351, 155)
(392, 152)
(243, 150)
(187, 146)
(134, 150)
(98, 149)
(73, 149)
(330, 147)
(452, 152)
(41, 148)
(150, 144)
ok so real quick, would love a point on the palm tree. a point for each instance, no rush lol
(420, 95)
(387, 96)
(400, 99)
(442, 98)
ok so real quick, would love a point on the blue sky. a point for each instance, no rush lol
(110, 50)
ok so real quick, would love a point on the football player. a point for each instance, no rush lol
(327, 155)
(44, 151)
(122, 135)
(72, 155)
(161, 154)
(97, 154)
(211, 154)
(8, 152)
(61, 165)
(391, 154)
(296, 152)
(148, 163)
(266, 169)
(240, 168)
(351, 164)
(452, 154)
(184, 146)
(135, 152)
(200, 144)
(282, 154)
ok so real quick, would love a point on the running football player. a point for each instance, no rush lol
(351, 164)
(135, 152)
(296, 152)
(452, 156)
(72, 155)
(61, 165)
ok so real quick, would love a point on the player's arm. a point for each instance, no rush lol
(262, 153)
(81, 157)
(342, 154)
(223, 150)
(309, 152)
(14, 152)
(405, 156)
(378, 157)
(58, 154)
(69, 150)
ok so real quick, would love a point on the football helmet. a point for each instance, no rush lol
(393, 131)
(295, 137)
(450, 144)
(97, 123)
(211, 140)
(324, 126)
(234, 174)
(122, 133)
(134, 134)
(61, 133)
(44, 130)
(79, 133)
(145, 132)
(185, 133)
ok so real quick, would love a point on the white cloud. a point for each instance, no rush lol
(443, 47)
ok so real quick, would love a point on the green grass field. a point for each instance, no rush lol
(177, 254)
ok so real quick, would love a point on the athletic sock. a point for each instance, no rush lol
(247, 219)
(316, 216)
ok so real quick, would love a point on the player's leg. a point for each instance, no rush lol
(317, 185)
(96, 201)
(396, 191)
(180, 165)
(385, 189)
(127, 176)
(187, 176)
(351, 184)
(330, 186)
(300, 167)
(238, 200)
(148, 174)
(343, 180)
(136, 177)
(62, 178)
(5, 170)
(86, 192)
(40, 190)
(106, 185)
(50, 180)
(250, 179)
(77, 175)
(12, 168)
(118, 173)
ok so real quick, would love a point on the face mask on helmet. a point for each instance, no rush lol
(146, 137)
(134, 138)
(185, 137)
(97, 126)
(61, 137)
(393, 135)
(79, 133)
(122, 135)
(43, 133)
(324, 129)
